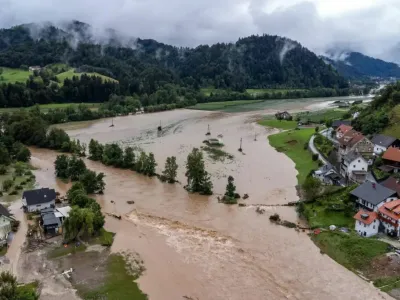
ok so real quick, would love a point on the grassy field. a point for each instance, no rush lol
(120, 283)
(323, 115)
(14, 75)
(281, 124)
(255, 92)
(20, 183)
(350, 250)
(62, 251)
(394, 120)
(292, 144)
(46, 107)
(70, 73)
(221, 105)
(27, 291)
(330, 209)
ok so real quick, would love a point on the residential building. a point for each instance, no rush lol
(5, 224)
(354, 167)
(62, 213)
(389, 215)
(367, 223)
(383, 142)
(284, 115)
(370, 196)
(50, 222)
(327, 175)
(342, 129)
(34, 68)
(353, 140)
(391, 158)
(36, 200)
(337, 123)
(393, 184)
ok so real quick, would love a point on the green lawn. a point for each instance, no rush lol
(330, 209)
(323, 115)
(14, 75)
(28, 291)
(120, 284)
(281, 124)
(46, 107)
(24, 182)
(70, 73)
(221, 105)
(292, 144)
(394, 123)
(350, 250)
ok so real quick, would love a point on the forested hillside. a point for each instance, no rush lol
(358, 65)
(383, 115)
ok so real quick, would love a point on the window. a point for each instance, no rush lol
(365, 225)
(359, 160)
(354, 166)
(373, 227)
(363, 169)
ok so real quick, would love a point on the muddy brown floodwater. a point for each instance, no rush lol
(194, 246)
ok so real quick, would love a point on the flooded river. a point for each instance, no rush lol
(194, 246)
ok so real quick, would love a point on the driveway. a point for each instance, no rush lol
(314, 150)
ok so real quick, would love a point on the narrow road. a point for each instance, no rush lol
(314, 150)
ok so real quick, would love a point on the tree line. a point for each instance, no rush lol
(252, 62)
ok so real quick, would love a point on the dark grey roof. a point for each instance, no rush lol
(352, 155)
(373, 193)
(383, 140)
(4, 211)
(39, 196)
(337, 123)
(50, 219)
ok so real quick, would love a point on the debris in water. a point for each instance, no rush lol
(130, 202)
(208, 130)
(245, 196)
(240, 148)
(159, 127)
(260, 210)
(112, 123)
(275, 218)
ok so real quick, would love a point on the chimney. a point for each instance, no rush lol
(373, 185)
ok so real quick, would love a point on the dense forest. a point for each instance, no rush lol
(147, 67)
(383, 113)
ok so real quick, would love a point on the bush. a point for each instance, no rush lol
(14, 192)
(3, 170)
(7, 184)
(317, 129)
(305, 146)
(315, 157)
(19, 187)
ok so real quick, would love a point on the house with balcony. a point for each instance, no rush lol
(354, 167)
(370, 196)
(353, 140)
(389, 215)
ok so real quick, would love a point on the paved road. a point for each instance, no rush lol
(327, 133)
(314, 150)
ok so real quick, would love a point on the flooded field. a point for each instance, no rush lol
(193, 246)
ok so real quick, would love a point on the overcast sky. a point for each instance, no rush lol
(368, 26)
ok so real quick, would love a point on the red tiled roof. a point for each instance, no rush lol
(350, 138)
(391, 209)
(372, 216)
(344, 128)
(392, 154)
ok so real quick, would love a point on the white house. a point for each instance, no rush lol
(327, 175)
(383, 142)
(367, 223)
(389, 215)
(5, 224)
(370, 196)
(354, 167)
(36, 200)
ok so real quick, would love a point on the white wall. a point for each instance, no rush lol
(358, 164)
(389, 227)
(38, 207)
(367, 230)
(5, 227)
(379, 149)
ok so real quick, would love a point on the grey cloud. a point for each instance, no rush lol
(373, 31)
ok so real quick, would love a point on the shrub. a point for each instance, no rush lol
(14, 192)
(3, 170)
(7, 184)
(315, 157)
(305, 146)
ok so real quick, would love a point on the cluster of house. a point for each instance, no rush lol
(355, 153)
(43, 201)
(379, 208)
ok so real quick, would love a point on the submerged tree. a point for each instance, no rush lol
(141, 163)
(62, 166)
(95, 150)
(150, 165)
(92, 182)
(76, 168)
(170, 170)
(198, 178)
(129, 158)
